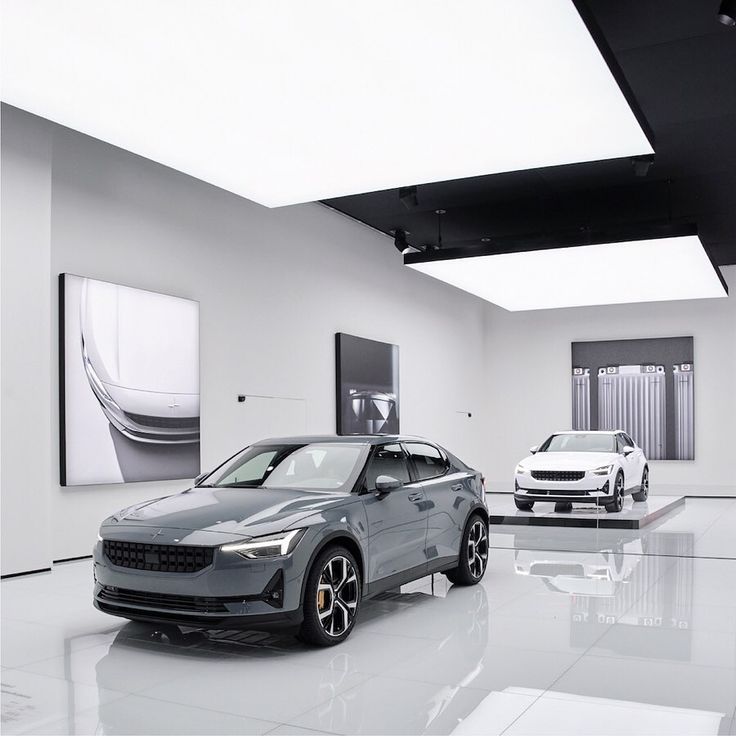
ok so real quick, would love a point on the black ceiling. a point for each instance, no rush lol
(680, 65)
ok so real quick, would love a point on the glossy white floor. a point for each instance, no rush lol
(573, 631)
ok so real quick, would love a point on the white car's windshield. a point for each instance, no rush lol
(325, 466)
(582, 442)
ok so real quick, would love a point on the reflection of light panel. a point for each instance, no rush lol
(610, 273)
(286, 102)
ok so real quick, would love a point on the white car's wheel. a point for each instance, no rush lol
(643, 492)
(618, 495)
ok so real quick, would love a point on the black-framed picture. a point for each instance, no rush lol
(367, 385)
(129, 383)
(645, 387)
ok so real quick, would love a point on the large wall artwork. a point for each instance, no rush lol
(129, 375)
(644, 387)
(367, 386)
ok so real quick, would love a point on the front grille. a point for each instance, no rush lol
(157, 557)
(166, 602)
(558, 475)
(191, 423)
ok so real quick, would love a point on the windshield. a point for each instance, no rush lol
(320, 466)
(584, 442)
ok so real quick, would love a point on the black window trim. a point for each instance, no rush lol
(412, 467)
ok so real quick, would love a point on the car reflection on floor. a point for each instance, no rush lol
(459, 639)
(616, 585)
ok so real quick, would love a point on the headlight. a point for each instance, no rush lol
(520, 470)
(603, 470)
(273, 545)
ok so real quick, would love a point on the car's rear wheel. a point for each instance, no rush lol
(618, 495)
(643, 492)
(473, 558)
(331, 598)
(524, 505)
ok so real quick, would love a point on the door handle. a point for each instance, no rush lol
(456, 487)
(416, 496)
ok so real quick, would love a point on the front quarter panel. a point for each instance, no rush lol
(329, 526)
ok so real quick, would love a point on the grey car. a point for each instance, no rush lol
(295, 533)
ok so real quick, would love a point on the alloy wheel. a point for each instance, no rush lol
(477, 548)
(337, 595)
(619, 493)
(645, 482)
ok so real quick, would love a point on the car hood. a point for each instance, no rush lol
(568, 460)
(238, 511)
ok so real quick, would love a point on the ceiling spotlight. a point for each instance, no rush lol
(727, 13)
(642, 164)
(408, 197)
(485, 240)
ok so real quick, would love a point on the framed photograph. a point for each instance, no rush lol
(367, 385)
(644, 387)
(129, 383)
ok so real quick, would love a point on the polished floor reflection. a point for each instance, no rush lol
(572, 631)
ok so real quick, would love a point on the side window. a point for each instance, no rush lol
(629, 441)
(386, 460)
(428, 460)
(620, 443)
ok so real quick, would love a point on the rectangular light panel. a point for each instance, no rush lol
(285, 102)
(662, 269)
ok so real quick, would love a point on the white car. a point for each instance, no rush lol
(582, 467)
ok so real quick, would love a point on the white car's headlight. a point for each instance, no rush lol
(520, 470)
(272, 545)
(603, 470)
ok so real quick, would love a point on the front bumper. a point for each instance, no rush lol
(229, 592)
(590, 489)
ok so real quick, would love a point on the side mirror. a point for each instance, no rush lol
(628, 449)
(534, 449)
(387, 483)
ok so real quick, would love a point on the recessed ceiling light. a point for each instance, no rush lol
(649, 270)
(284, 102)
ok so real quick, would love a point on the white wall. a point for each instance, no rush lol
(274, 286)
(529, 366)
(25, 432)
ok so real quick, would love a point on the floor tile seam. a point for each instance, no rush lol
(294, 725)
(541, 695)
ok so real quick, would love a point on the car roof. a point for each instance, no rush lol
(364, 439)
(589, 431)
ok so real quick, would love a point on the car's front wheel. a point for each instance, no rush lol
(643, 492)
(617, 503)
(473, 553)
(331, 598)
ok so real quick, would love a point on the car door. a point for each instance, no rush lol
(397, 520)
(448, 497)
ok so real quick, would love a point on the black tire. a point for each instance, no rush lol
(524, 505)
(326, 625)
(473, 560)
(618, 495)
(563, 507)
(643, 493)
